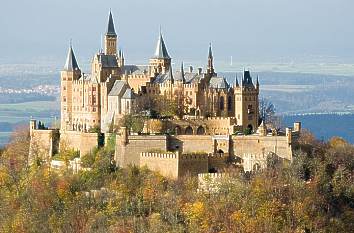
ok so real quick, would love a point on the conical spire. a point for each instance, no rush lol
(161, 51)
(110, 29)
(210, 68)
(182, 72)
(210, 54)
(71, 63)
(257, 83)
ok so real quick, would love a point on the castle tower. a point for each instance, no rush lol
(210, 68)
(71, 72)
(161, 61)
(247, 103)
(110, 41)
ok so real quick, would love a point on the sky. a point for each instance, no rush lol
(247, 30)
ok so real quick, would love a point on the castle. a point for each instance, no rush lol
(206, 136)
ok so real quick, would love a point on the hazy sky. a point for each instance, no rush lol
(248, 30)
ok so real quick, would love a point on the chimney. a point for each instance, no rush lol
(200, 70)
(190, 69)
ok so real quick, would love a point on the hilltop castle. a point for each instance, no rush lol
(213, 113)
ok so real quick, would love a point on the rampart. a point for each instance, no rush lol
(81, 141)
(262, 145)
(175, 165)
(129, 147)
(43, 142)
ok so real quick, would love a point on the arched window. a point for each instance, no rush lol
(189, 130)
(200, 130)
(178, 130)
(222, 101)
(229, 103)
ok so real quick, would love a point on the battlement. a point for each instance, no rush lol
(167, 155)
(212, 175)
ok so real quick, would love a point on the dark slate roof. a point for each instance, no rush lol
(178, 76)
(110, 29)
(161, 78)
(117, 88)
(247, 79)
(135, 69)
(218, 82)
(128, 94)
(192, 77)
(161, 50)
(107, 61)
(71, 63)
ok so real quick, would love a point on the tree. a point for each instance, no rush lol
(132, 122)
(267, 114)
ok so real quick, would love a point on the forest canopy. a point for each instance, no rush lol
(315, 193)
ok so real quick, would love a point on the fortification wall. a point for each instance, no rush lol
(175, 165)
(262, 145)
(218, 161)
(221, 125)
(192, 164)
(164, 163)
(191, 143)
(44, 143)
(128, 151)
(81, 141)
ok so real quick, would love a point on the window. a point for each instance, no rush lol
(229, 103)
(222, 103)
(64, 88)
(64, 99)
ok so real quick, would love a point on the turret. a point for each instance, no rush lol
(161, 61)
(110, 37)
(71, 72)
(246, 103)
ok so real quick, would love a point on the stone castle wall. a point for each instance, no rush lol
(44, 143)
(175, 165)
(164, 163)
(191, 143)
(128, 149)
(262, 145)
(81, 141)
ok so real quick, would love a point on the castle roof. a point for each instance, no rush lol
(164, 77)
(107, 61)
(161, 50)
(135, 69)
(247, 79)
(218, 82)
(71, 63)
(118, 88)
(128, 94)
(110, 28)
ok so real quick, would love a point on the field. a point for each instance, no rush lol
(13, 115)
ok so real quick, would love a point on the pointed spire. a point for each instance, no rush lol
(236, 81)
(210, 54)
(161, 50)
(210, 68)
(110, 29)
(257, 83)
(170, 75)
(182, 72)
(71, 63)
